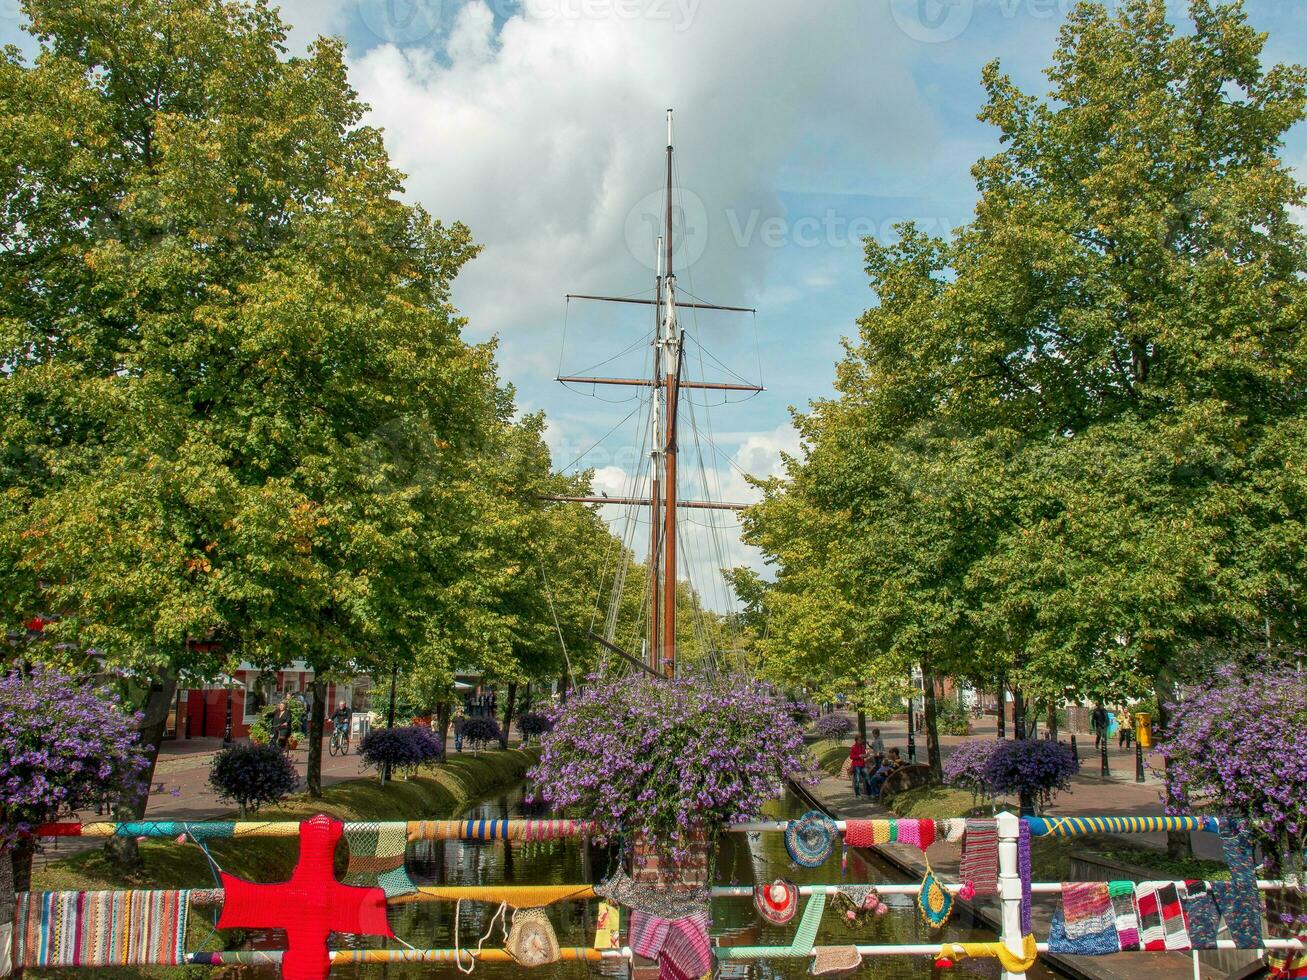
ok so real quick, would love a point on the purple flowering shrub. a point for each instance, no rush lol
(656, 757)
(404, 748)
(1237, 746)
(482, 731)
(967, 765)
(252, 775)
(63, 747)
(1037, 767)
(533, 724)
(835, 727)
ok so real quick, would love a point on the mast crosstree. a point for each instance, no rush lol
(666, 384)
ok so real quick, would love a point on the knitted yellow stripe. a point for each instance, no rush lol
(285, 828)
(1010, 961)
(517, 896)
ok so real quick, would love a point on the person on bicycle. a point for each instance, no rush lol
(340, 720)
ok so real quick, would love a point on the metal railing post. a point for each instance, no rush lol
(1009, 887)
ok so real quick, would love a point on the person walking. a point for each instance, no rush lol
(858, 765)
(1125, 731)
(281, 722)
(460, 719)
(1098, 725)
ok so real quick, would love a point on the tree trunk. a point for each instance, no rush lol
(1178, 842)
(862, 725)
(317, 715)
(1052, 720)
(444, 711)
(509, 698)
(1027, 798)
(122, 850)
(933, 757)
(19, 861)
(562, 688)
(1002, 709)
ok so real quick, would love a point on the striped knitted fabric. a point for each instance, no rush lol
(859, 833)
(1101, 943)
(1087, 908)
(376, 857)
(1238, 899)
(1200, 912)
(1127, 917)
(1161, 917)
(681, 947)
(980, 857)
(107, 928)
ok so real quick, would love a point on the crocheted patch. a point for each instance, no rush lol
(859, 833)
(933, 900)
(1200, 911)
(810, 840)
(776, 901)
(309, 907)
(1086, 908)
(1238, 899)
(1127, 917)
(1161, 916)
(376, 857)
(1099, 943)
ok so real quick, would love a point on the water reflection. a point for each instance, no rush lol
(742, 859)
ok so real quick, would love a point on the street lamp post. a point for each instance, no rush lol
(912, 698)
(227, 682)
(390, 720)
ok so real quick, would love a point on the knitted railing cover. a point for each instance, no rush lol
(103, 928)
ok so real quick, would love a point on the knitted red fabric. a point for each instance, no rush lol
(857, 833)
(309, 906)
(925, 833)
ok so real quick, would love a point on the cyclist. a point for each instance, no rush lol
(340, 720)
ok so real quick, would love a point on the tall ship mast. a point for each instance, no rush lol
(666, 384)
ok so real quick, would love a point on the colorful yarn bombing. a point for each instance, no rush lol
(1023, 869)
(681, 947)
(1200, 912)
(309, 907)
(376, 857)
(805, 935)
(933, 900)
(1075, 826)
(105, 928)
(1161, 917)
(810, 840)
(980, 857)
(1101, 943)
(859, 833)
(1087, 908)
(919, 833)
(1238, 899)
(1127, 917)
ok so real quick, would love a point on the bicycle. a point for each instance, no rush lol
(339, 744)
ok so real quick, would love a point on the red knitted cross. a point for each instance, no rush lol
(309, 906)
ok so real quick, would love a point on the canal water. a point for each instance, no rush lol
(741, 860)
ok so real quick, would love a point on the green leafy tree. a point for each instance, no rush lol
(228, 352)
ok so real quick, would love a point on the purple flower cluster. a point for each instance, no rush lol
(63, 746)
(1237, 745)
(1035, 766)
(405, 748)
(660, 757)
(832, 726)
(967, 765)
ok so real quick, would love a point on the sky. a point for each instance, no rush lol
(800, 128)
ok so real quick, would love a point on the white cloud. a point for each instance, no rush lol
(544, 134)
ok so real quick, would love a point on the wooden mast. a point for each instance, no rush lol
(671, 373)
(665, 384)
